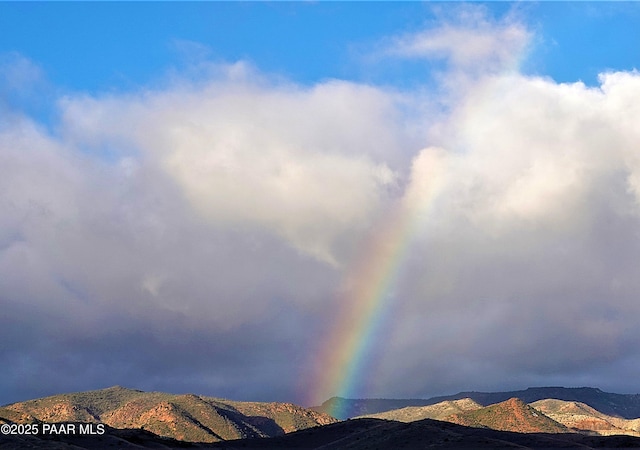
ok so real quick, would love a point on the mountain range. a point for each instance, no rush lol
(583, 418)
(187, 417)
(618, 405)
(549, 415)
(137, 419)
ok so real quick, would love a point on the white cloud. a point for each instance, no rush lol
(307, 163)
(468, 41)
(537, 149)
(19, 73)
(520, 261)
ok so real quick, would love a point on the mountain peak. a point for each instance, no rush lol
(511, 415)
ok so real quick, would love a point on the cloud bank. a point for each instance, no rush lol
(193, 236)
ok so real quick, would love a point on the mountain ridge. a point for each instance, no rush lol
(625, 406)
(161, 420)
(185, 417)
(437, 411)
(511, 415)
(583, 418)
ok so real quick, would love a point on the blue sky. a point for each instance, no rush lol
(187, 191)
(104, 46)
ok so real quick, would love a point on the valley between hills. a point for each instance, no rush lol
(536, 418)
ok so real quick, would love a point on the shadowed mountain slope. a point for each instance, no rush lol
(357, 434)
(112, 438)
(184, 417)
(372, 434)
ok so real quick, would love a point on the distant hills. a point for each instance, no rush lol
(542, 416)
(510, 415)
(188, 417)
(581, 417)
(617, 405)
(621, 405)
(348, 408)
(438, 411)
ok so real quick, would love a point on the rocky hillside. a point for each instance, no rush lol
(583, 418)
(183, 417)
(510, 415)
(576, 416)
(621, 405)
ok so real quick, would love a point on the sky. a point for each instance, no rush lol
(291, 201)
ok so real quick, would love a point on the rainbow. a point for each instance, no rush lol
(366, 298)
